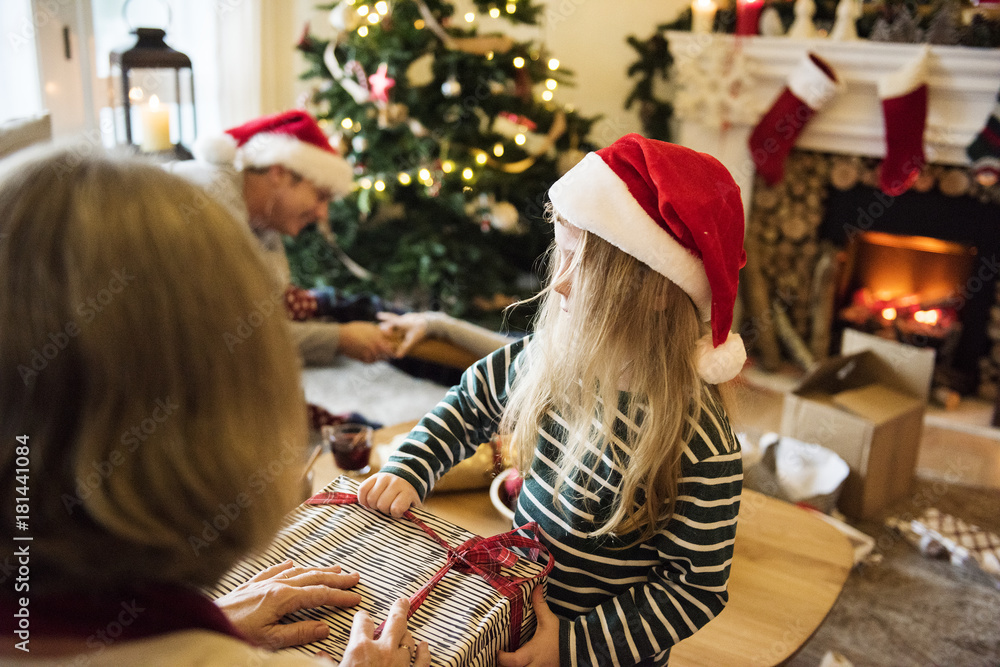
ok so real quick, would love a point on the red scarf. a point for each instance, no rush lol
(101, 618)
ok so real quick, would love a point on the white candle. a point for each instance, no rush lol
(155, 122)
(703, 15)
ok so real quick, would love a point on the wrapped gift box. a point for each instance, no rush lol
(463, 617)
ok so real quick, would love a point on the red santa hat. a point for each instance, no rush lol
(291, 139)
(680, 213)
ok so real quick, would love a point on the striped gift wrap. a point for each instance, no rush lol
(463, 618)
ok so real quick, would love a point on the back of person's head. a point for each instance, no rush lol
(146, 368)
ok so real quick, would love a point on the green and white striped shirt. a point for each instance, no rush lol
(619, 605)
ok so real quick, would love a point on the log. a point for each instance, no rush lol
(954, 182)
(761, 331)
(795, 227)
(770, 234)
(791, 339)
(925, 182)
(844, 173)
(766, 198)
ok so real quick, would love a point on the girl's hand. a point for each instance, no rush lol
(388, 494)
(542, 650)
(257, 606)
(396, 647)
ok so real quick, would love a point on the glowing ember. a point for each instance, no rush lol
(929, 317)
(889, 314)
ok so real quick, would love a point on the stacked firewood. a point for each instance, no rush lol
(989, 366)
(790, 274)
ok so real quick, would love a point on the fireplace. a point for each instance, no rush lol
(930, 261)
(807, 234)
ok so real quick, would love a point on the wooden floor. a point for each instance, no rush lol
(958, 446)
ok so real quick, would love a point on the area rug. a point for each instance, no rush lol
(908, 609)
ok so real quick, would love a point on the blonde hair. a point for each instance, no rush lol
(628, 327)
(145, 357)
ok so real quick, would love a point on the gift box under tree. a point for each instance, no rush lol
(470, 596)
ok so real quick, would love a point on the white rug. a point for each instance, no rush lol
(380, 392)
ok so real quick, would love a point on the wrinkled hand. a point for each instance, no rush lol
(542, 650)
(388, 494)
(395, 647)
(257, 606)
(411, 328)
(365, 342)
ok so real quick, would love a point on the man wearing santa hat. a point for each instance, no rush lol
(279, 173)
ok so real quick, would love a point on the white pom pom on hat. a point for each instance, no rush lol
(680, 213)
(219, 149)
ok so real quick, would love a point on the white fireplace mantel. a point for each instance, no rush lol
(963, 84)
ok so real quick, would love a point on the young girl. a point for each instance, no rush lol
(633, 472)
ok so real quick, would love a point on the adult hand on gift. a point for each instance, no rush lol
(365, 342)
(395, 646)
(388, 494)
(542, 650)
(257, 606)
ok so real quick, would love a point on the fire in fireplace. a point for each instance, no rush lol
(908, 288)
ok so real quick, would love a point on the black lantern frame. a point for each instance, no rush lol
(155, 61)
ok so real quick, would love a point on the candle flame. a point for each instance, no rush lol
(154, 102)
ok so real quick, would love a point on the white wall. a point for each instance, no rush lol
(588, 37)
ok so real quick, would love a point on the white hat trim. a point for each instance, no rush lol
(907, 79)
(811, 84)
(319, 167)
(592, 197)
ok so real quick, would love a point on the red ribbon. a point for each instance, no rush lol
(484, 556)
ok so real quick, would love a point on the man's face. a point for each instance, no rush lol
(297, 203)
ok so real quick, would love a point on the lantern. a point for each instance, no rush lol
(151, 88)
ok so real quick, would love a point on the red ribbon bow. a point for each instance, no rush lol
(484, 556)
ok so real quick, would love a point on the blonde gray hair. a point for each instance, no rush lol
(628, 328)
(146, 362)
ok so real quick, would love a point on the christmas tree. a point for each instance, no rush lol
(455, 137)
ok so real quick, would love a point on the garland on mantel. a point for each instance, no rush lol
(895, 21)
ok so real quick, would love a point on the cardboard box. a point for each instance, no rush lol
(867, 405)
(464, 618)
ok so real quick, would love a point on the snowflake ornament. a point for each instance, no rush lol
(714, 87)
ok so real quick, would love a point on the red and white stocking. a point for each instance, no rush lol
(810, 86)
(904, 108)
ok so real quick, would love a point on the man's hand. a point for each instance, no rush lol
(365, 342)
(395, 647)
(411, 328)
(257, 606)
(388, 494)
(542, 650)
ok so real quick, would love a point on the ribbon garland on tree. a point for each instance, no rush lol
(358, 89)
(474, 45)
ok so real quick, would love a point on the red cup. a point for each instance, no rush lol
(351, 445)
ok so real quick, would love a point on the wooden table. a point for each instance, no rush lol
(787, 572)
